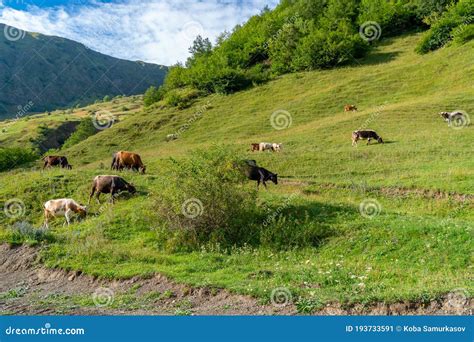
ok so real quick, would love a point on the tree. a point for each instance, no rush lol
(201, 47)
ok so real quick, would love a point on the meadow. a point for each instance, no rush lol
(412, 239)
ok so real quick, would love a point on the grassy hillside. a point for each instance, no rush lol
(418, 247)
(52, 72)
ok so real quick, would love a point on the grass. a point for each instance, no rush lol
(418, 246)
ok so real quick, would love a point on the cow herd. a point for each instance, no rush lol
(112, 184)
(103, 184)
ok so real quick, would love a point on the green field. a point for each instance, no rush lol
(418, 247)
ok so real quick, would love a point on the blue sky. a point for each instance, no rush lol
(156, 31)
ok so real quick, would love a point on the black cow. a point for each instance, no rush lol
(260, 175)
(110, 185)
(363, 135)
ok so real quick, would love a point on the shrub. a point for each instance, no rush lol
(206, 203)
(451, 24)
(23, 231)
(83, 131)
(11, 157)
(463, 34)
(437, 36)
(153, 95)
(181, 98)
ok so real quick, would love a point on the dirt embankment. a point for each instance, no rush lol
(26, 288)
(55, 138)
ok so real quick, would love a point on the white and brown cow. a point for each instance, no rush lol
(62, 207)
(277, 147)
(365, 135)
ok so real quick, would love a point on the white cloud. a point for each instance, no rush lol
(158, 31)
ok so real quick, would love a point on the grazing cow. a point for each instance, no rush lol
(254, 147)
(59, 207)
(362, 135)
(350, 108)
(115, 164)
(110, 185)
(276, 147)
(128, 160)
(260, 175)
(50, 161)
(265, 146)
(171, 137)
(453, 116)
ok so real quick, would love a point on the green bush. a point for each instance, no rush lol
(181, 98)
(205, 203)
(437, 36)
(153, 95)
(463, 34)
(11, 157)
(451, 24)
(393, 17)
(84, 130)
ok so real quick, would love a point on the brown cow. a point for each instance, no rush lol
(254, 147)
(128, 160)
(110, 185)
(362, 135)
(350, 108)
(50, 161)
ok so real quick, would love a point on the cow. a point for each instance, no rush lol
(115, 164)
(109, 184)
(265, 146)
(128, 160)
(261, 175)
(457, 117)
(362, 135)
(350, 108)
(64, 206)
(276, 147)
(171, 137)
(254, 147)
(50, 161)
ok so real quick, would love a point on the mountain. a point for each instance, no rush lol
(40, 73)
